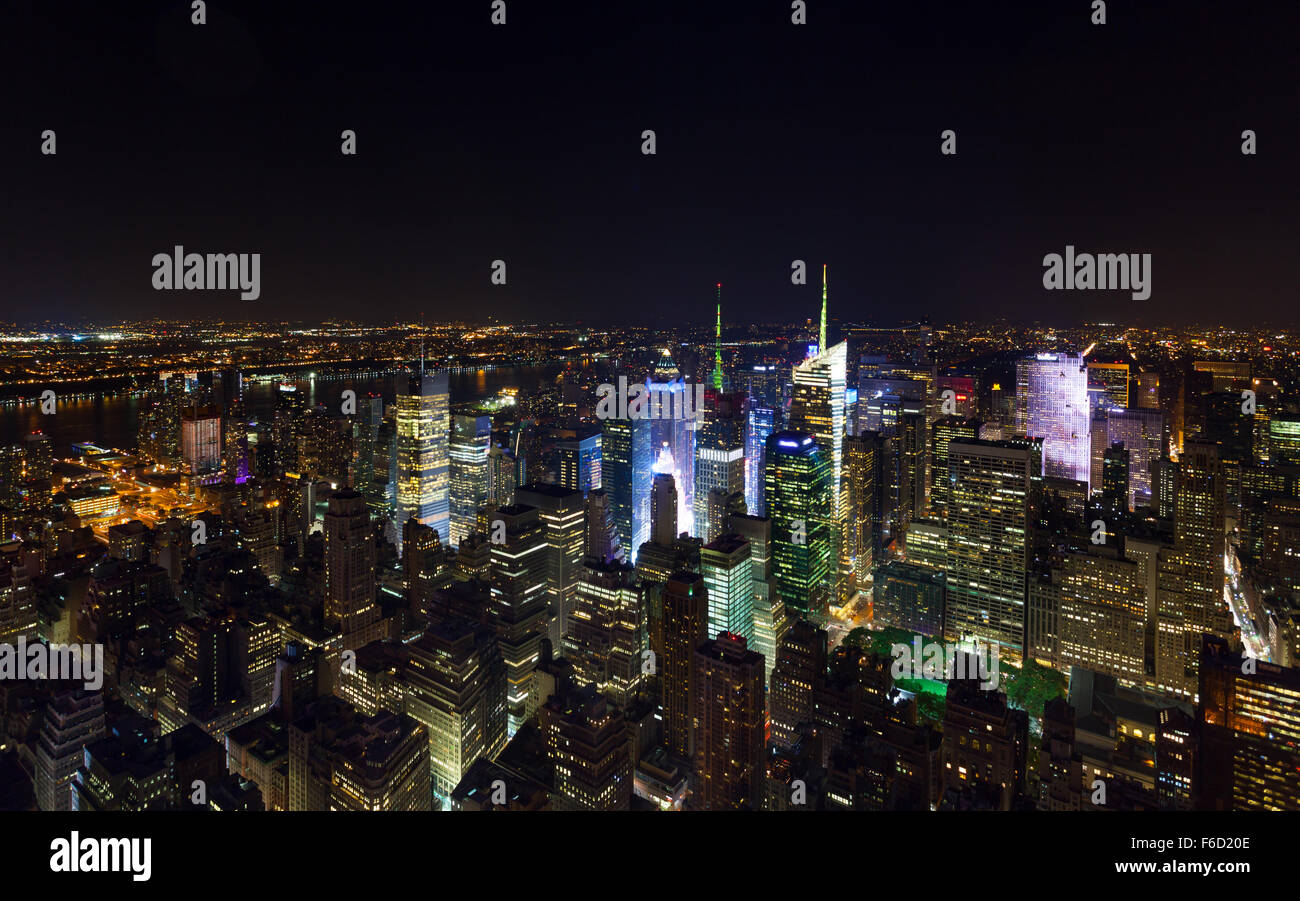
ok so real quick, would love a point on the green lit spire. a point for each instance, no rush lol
(821, 343)
(717, 345)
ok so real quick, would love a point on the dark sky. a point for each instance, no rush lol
(775, 142)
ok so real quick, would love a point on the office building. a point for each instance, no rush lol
(685, 624)
(817, 408)
(799, 503)
(727, 569)
(608, 637)
(422, 453)
(586, 740)
(727, 697)
(625, 477)
(988, 541)
(719, 461)
(468, 449)
(1052, 404)
(1249, 751)
(562, 512)
(518, 603)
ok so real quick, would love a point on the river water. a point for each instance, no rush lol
(112, 421)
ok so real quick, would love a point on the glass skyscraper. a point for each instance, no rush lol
(423, 464)
(727, 569)
(719, 461)
(798, 488)
(581, 462)
(988, 541)
(626, 476)
(761, 422)
(1052, 404)
(818, 408)
(471, 440)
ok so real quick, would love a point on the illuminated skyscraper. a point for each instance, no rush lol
(765, 413)
(1115, 477)
(770, 620)
(799, 505)
(424, 569)
(1249, 749)
(761, 422)
(863, 475)
(471, 439)
(988, 541)
(234, 429)
(669, 392)
(350, 557)
(913, 467)
(1199, 525)
(727, 569)
(625, 474)
(1142, 432)
(74, 717)
(1113, 378)
(563, 515)
(160, 424)
(719, 461)
(602, 540)
(817, 408)
(38, 457)
(340, 759)
(286, 424)
(1284, 439)
(608, 631)
(728, 703)
(800, 670)
(581, 461)
(502, 476)
(665, 501)
(18, 616)
(201, 439)
(518, 580)
(586, 740)
(1052, 404)
(362, 475)
(946, 430)
(455, 684)
(821, 334)
(423, 462)
(718, 379)
(1103, 614)
(685, 623)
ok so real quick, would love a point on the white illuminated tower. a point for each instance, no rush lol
(471, 442)
(818, 409)
(423, 457)
(1052, 404)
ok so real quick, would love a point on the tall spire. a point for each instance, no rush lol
(821, 343)
(422, 345)
(717, 345)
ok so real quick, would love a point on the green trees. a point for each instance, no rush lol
(1031, 686)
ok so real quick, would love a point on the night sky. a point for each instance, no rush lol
(775, 142)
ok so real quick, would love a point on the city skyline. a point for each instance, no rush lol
(657, 407)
